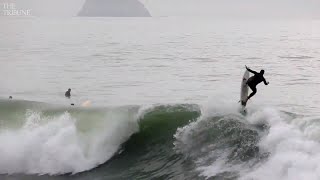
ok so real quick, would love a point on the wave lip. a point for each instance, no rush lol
(58, 141)
(166, 141)
(220, 144)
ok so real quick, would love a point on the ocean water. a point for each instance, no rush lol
(164, 99)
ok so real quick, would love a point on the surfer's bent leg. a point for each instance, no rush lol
(254, 91)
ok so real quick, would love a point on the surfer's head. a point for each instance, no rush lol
(262, 72)
(69, 90)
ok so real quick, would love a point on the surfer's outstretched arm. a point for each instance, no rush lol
(253, 72)
(265, 82)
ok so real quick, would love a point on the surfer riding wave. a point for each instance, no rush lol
(253, 81)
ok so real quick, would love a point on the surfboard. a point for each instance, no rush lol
(244, 90)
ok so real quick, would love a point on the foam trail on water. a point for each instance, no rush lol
(293, 145)
(61, 144)
(200, 140)
(285, 147)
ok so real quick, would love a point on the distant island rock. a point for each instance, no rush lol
(114, 8)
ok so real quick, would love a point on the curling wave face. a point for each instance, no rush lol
(37, 138)
(185, 141)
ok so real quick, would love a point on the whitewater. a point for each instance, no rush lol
(208, 140)
(164, 99)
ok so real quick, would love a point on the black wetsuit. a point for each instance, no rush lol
(254, 81)
(68, 93)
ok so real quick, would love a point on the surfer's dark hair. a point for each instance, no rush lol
(262, 71)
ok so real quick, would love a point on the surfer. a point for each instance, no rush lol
(253, 81)
(68, 93)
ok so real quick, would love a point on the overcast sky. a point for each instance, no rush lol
(235, 8)
(214, 8)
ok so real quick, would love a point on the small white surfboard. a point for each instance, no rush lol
(244, 88)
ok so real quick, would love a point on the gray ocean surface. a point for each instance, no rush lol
(114, 61)
(142, 62)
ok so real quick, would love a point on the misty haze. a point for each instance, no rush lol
(159, 89)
